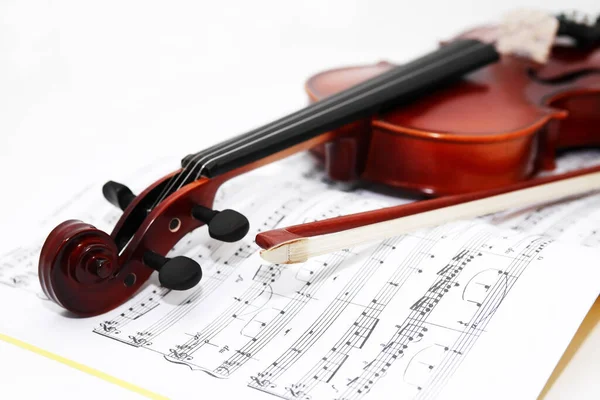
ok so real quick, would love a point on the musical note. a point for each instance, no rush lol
(341, 324)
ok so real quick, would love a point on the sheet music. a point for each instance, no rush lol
(467, 309)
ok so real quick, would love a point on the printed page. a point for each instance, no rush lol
(472, 309)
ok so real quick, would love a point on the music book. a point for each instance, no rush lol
(472, 309)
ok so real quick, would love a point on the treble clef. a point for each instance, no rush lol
(179, 355)
(263, 382)
(140, 341)
(108, 326)
(297, 393)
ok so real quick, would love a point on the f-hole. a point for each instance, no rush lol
(566, 78)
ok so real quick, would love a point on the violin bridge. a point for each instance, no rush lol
(527, 33)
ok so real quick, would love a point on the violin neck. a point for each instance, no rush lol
(401, 84)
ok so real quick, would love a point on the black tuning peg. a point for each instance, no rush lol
(118, 194)
(226, 225)
(177, 273)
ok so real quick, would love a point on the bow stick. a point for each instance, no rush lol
(298, 243)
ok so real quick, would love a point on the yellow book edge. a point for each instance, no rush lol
(591, 320)
(81, 367)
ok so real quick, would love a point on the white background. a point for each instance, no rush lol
(92, 90)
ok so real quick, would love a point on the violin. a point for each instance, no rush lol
(485, 110)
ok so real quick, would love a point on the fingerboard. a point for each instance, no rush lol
(400, 84)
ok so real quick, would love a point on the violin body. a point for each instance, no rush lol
(499, 125)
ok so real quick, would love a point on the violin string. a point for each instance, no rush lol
(314, 112)
(199, 157)
(341, 104)
(328, 104)
(163, 193)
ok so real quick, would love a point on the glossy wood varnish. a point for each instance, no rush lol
(68, 266)
(276, 237)
(496, 127)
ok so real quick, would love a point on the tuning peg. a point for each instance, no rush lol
(178, 273)
(118, 194)
(227, 225)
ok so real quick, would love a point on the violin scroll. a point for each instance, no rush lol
(80, 270)
(89, 272)
(76, 260)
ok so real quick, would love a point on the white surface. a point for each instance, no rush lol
(94, 89)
